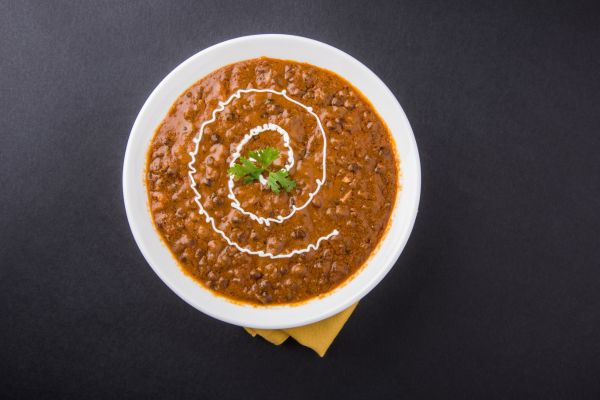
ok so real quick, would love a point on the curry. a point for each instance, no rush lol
(272, 181)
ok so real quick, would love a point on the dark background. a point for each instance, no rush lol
(497, 294)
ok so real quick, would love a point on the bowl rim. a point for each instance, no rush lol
(279, 316)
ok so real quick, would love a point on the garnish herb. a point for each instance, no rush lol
(280, 179)
(251, 168)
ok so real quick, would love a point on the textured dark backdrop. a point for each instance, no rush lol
(497, 294)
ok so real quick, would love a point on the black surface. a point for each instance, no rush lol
(497, 294)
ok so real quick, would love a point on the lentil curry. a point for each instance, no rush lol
(271, 181)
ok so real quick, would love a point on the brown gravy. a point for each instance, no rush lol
(355, 200)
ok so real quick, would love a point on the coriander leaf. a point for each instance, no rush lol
(280, 179)
(246, 170)
(272, 182)
(250, 169)
(264, 156)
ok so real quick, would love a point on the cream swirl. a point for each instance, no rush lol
(289, 164)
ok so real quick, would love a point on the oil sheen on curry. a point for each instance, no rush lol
(272, 181)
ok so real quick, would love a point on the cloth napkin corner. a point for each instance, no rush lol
(317, 336)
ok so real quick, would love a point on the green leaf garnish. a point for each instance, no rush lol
(280, 179)
(246, 170)
(250, 169)
(264, 156)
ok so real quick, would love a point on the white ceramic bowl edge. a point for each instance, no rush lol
(283, 47)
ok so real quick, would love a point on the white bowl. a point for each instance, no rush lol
(283, 47)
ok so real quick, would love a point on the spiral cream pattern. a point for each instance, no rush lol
(290, 163)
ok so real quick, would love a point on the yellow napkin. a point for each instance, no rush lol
(318, 336)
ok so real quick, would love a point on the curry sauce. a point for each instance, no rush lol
(249, 239)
